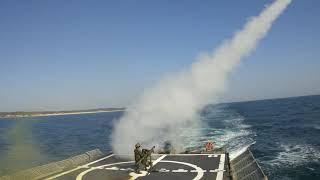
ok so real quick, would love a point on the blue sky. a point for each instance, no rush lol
(65, 54)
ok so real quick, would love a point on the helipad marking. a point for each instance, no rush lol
(204, 171)
(79, 177)
(180, 170)
(126, 169)
(221, 167)
(135, 175)
(164, 170)
(112, 168)
(199, 170)
(79, 167)
(99, 160)
(217, 170)
(191, 154)
(158, 160)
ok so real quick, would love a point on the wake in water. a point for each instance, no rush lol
(295, 155)
(227, 129)
(220, 124)
(293, 161)
(173, 104)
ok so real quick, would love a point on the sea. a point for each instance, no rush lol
(283, 134)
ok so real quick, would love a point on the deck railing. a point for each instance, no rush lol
(43, 171)
(245, 167)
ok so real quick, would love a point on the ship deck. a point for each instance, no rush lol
(166, 166)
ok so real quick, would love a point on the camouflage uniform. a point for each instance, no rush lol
(137, 157)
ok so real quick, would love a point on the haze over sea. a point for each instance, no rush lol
(284, 133)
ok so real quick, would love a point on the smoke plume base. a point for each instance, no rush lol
(163, 111)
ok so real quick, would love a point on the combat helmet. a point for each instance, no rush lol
(137, 145)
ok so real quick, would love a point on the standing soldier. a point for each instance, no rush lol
(137, 157)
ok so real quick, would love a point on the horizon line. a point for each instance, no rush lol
(124, 108)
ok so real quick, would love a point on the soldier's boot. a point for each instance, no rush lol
(137, 170)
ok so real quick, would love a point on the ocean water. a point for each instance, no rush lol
(283, 134)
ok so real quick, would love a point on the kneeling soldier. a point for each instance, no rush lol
(142, 157)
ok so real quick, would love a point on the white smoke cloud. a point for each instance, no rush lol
(162, 111)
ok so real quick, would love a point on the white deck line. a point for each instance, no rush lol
(79, 167)
(158, 160)
(99, 160)
(221, 167)
(176, 154)
(192, 154)
(61, 174)
(144, 173)
(79, 177)
(200, 171)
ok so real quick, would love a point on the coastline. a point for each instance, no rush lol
(58, 113)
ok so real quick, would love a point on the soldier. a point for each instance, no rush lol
(137, 157)
(209, 146)
(146, 159)
(142, 158)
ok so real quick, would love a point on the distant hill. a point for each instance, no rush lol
(55, 113)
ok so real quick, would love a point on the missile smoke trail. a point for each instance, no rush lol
(174, 102)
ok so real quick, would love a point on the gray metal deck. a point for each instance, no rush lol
(178, 166)
(94, 165)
